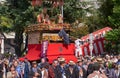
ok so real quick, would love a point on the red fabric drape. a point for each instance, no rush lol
(60, 49)
(34, 52)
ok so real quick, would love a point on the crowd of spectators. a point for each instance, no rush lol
(107, 66)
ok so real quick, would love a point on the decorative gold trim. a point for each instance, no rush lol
(42, 26)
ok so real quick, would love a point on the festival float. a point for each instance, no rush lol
(50, 39)
(47, 38)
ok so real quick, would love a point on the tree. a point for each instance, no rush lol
(91, 15)
(15, 16)
(72, 10)
(5, 20)
(106, 10)
(113, 40)
(114, 19)
(110, 12)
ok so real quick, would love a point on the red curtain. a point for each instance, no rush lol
(34, 52)
(60, 49)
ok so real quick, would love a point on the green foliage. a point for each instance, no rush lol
(113, 35)
(16, 15)
(5, 21)
(106, 8)
(71, 11)
(110, 10)
(114, 19)
(78, 32)
(113, 40)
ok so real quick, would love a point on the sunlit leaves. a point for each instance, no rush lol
(5, 21)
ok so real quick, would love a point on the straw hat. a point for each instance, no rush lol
(71, 62)
(34, 62)
(100, 60)
(61, 59)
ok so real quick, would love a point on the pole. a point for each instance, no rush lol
(62, 10)
(2, 46)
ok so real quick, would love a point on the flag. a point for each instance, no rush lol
(44, 48)
(64, 35)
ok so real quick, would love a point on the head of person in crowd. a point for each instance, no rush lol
(117, 67)
(80, 62)
(55, 63)
(106, 64)
(113, 65)
(6, 61)
(71, 64)
(12, 68)
(34, 64)
(43, 60)
(16, 63)
(12, 71)
(100, 60)
(25, 59)
(62, 61)
(96, 66)
(107, 57)
(45, 65)
(88, 62)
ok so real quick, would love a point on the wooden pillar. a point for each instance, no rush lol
(2, 45)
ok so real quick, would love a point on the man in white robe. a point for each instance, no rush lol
(78, 49)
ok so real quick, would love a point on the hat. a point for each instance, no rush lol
(61, 59)
(71, 62)
(100, 60)
(34, 62)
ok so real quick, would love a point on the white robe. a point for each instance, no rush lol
(78, 49)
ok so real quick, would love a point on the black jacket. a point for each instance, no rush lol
(60, 71)
(74, 74)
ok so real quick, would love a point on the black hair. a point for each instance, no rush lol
(62, 62)
(96, 66)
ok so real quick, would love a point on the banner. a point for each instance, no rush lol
(64, 35)
(44, 48)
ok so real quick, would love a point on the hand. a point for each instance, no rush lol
(37, 74)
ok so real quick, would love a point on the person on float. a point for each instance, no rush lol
(78, 49)
(60, 19)
(43, 17)
(40, 18)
